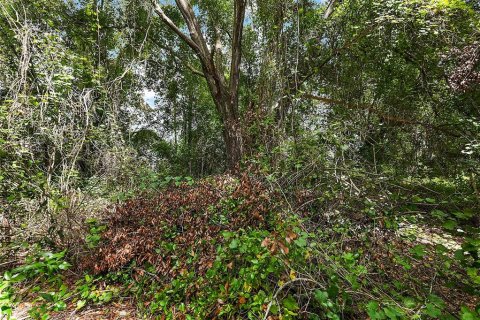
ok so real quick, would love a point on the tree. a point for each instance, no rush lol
(224, 90)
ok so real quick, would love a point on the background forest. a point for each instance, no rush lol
(240, 159)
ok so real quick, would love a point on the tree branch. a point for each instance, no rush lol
(158, 9)
(364, 107)
(329, 10)
(194, 71)
(346, 46)
(239, 12)
(381, 115)
(179, 60)
(196, 34)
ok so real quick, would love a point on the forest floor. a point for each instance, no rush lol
(114, 311)
(193, 242)
(425, 235)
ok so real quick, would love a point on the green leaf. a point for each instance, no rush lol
(432, 310)
(321, 296)
(301, 242)
(467, 314)
(459, 255)
(227, 234)
(333, 291)
(392, 312)
(60, 305)
(439, 214)
(440, 248)
(409, 302)
(405, 264)
(418, 251)
(274, 309)
(450, 224)
(473, 274)
(6, 310)
(233, 244)
(18, 277)
(462, 215)
(7, 275)
(290, 303)
(417, 199)
(374, 312)
(64, 266)
(47, 296)
(106, 296)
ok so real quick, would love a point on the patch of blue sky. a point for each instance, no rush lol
(149, 97)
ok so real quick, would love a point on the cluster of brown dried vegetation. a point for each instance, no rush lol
(186, 218)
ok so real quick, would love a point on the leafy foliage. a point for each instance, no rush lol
(350, 128)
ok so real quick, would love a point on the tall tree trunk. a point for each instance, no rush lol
(224, 94)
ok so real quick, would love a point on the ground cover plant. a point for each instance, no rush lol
(240, 159)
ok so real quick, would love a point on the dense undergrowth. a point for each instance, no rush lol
(351, 130)
(243, 248)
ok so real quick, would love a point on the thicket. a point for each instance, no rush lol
(299, 160)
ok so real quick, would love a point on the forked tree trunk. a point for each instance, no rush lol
(225, 93)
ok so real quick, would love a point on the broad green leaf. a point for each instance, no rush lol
(290, 303)
(418, 251)
(233, 244)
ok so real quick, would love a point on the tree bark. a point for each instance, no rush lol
(329, 10)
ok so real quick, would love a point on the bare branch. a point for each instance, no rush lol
(239, 12)
(194, 28)
(158, 9)
(329, 10)
(193, 70)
